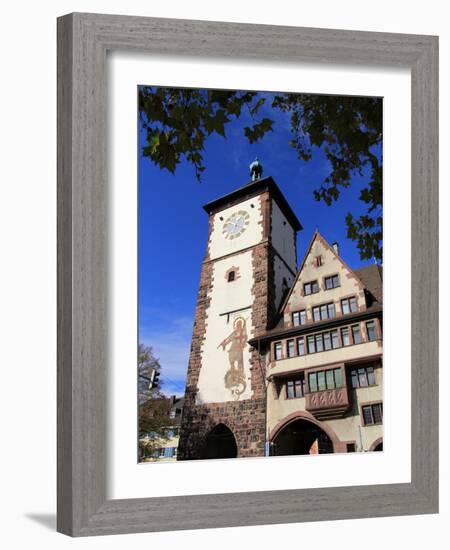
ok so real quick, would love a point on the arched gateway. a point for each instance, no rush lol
(377, 445)
(302, 436)
(220, 443)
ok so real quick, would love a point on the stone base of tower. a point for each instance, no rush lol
(245, 419)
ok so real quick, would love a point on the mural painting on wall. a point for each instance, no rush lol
(237, 340)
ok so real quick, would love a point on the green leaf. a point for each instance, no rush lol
(154, 143)
(258, 130)
(257, 106)
(219, 121)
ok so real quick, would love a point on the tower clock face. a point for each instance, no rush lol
(236, 224)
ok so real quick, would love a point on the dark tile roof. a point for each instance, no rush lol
(372, 278)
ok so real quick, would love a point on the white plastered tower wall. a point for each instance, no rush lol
(284, 237)
(284, 242)
(229, 301)
(234, 300)
(283, 276)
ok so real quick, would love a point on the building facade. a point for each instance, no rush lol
(154, 449)
(324, 359)
(267, 336)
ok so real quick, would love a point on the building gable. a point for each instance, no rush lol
(323, 278)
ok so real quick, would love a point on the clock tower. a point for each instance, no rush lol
(250, 263)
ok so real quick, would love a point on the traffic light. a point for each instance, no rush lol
(155, 379)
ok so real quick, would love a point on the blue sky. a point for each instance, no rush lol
(173, 227)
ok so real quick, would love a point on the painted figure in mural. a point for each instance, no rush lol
(235, 376)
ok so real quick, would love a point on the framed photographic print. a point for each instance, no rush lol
(244, 210)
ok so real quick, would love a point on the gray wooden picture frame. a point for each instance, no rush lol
(83, 42)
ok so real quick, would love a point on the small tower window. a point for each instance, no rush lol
(232, 274)
(319, 261)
